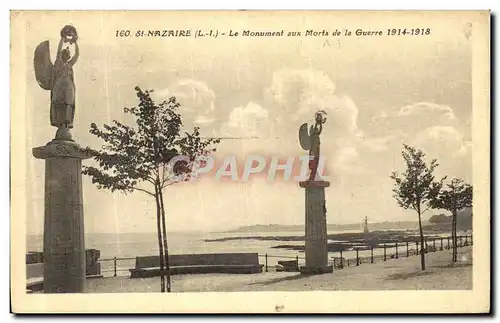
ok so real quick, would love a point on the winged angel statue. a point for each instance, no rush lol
(58, 78)
(309, 140)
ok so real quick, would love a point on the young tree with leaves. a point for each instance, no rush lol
(146, 158)
(416, 188)
(456, 196)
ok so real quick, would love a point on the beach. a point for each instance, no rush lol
(393, 274)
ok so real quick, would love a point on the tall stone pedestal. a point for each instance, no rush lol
(63, 237)
(316, 234)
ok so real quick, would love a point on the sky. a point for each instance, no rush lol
(378, 92)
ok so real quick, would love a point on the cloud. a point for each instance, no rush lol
(427, 108)
(299, 89)
(382, 116)
(249, 120)
(379, 144)
(418, 116)
(447, 145)
(441, 140)
(297, 94)
(203, 120)
(347, 162)
(196, 99)
(466, 149)
(432, 127)
(193, 91)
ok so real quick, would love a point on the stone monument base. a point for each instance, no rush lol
(63, 235)
(316, 238)
(317, 270)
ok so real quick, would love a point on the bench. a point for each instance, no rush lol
(34, 277)
(227, 263)
(34, 284)
(34, 268)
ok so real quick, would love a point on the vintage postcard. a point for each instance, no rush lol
(250, 161)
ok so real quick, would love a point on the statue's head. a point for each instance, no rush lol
(65, 55)
(320, 117)
(69, 34)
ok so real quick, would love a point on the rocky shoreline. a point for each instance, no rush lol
(342, 241)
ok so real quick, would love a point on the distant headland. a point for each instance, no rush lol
(400, 225)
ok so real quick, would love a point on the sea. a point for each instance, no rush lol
(126, 246)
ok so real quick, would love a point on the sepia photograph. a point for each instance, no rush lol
(286, 161)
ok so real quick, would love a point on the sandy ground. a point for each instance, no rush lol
(394, 274)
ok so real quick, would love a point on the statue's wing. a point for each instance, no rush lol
(304, 138)
(43, 66)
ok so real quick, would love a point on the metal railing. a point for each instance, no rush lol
(430, 246)
(115, 266)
